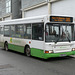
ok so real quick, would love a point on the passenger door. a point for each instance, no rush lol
(37, 38)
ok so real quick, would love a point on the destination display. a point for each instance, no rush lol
(61, 19)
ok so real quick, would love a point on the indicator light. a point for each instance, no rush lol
(50, 51)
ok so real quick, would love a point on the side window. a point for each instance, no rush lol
(7, 31)
(38, 31)
(19, 31)
(27, 31)
(13, 31)
(1, 30)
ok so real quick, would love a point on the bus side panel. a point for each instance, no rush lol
(18, 44)
(1, 41)
(2, 44)
(37, 49)
(15, 44)
(16, 48)
(37, 52)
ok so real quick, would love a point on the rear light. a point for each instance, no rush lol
(51, 51)
(73, 49)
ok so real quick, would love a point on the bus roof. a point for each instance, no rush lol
(24, 20)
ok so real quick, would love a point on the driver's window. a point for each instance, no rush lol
(52, 30)
(55, 31)
(63, 32)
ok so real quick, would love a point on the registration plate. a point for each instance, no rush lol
(63, 55)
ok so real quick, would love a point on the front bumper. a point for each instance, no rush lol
(49, 55)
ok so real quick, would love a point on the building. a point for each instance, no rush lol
(10, 9)
(32, 8)
(64, 7)
(13, 9)
(36, 7)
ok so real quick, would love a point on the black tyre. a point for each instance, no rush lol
(6, 46)
(28, 51)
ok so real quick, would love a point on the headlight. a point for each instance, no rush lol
(51, 51)
(73, 49)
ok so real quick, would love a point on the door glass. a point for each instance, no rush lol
(37, 31)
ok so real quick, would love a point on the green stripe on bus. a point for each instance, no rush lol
(38, 52)
(46, 56)
(16, 48)
(34, 52)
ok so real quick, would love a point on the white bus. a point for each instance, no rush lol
(42, 36)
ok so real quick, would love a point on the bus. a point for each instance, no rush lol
(41, 36)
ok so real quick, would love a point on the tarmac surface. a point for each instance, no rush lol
(14, 63)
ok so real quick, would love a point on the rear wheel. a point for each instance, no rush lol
(28, 51)
(6, 46)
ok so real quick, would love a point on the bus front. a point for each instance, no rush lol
(59, 38)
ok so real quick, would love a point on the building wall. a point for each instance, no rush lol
(0, 8)
(32, 8)
(29, 3)
(42, 10)
(64, 7)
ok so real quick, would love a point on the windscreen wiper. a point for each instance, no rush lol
(56, 40)
(68, 39)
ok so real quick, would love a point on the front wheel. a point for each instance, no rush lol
(6, 46)
(28, 51)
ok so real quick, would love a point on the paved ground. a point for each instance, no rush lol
(12, 63)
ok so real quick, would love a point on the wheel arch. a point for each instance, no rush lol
(5, 43)
(25, 48)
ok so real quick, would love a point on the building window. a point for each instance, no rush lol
(8, 6)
